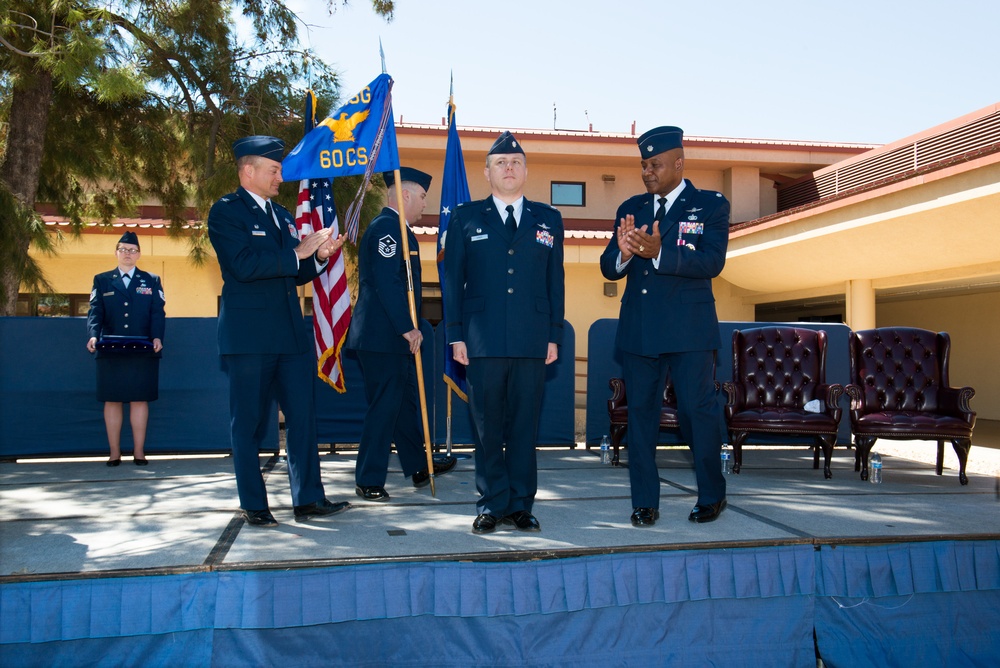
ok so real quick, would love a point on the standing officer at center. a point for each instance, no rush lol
(383, 335)
(505, 301)
(263, 339)
(670, 243)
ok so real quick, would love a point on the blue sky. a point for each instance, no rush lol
(849, 71)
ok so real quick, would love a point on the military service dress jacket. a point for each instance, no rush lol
(382, 313)
(260, 311)
(504, 296)
(672, 308)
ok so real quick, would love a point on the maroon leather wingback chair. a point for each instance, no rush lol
(776, 371)
(899, 390)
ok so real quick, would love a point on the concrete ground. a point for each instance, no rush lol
(65, 518)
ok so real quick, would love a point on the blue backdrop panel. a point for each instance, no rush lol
(341, 417)
(604, 362)
(48, 403)
(556, 426)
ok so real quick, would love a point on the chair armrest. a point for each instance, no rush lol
(830, 394)
(734, 397)
(955, 400)
(856, 395)
(618, 398)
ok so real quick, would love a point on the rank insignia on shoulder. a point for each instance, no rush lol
(387, 246)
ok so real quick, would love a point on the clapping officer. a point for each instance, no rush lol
(263, 340)
(385, 339)
(670, 243)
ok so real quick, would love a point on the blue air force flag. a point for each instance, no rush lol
(358, 138)
(454, 191)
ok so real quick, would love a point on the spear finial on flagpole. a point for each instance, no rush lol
(381, 53)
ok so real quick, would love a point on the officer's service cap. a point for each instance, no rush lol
(129, 238)
(506, 143)
(271, 148)
(422, 179)
(660, 139)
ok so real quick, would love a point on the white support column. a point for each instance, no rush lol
(860, 298)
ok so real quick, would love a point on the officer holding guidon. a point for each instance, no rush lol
(385, 339)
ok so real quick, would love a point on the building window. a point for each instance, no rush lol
(567, 193)
(52, 305)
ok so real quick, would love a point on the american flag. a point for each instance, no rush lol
(331, 299)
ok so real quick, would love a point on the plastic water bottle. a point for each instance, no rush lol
(875, 468)
(727, 459)
(605, 450)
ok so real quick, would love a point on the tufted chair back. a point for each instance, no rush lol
(777, 370)
(900, 368)
(900, 390)
(779, 366)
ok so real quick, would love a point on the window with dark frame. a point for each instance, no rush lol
(568, 193)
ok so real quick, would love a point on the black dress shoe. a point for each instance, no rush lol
(645, 517)
(260, 518)
(485, 523)
(441, 466)
(707, 513)
(113, 462)
(320, 508)
(140, 461)
(522, 520)
(372, 493)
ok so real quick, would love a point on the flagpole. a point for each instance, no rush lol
(448, 430)
(416, 325)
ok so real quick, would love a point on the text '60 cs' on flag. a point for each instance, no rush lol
(358, 138)
(331, 299)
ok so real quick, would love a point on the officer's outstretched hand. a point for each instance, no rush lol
(625, 227)
(330, 247)
(643, 243)
(414, 338)
(311, 243)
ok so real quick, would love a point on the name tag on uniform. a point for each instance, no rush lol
(480, 237)
(108, 294)
(258, 233)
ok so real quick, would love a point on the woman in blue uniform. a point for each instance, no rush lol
(125, 323)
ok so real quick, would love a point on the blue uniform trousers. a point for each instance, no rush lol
(253, 380)
(698, 413)
(504, 396)
(393, 417)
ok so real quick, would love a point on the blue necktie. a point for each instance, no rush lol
(510, 222)
(662, 210)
